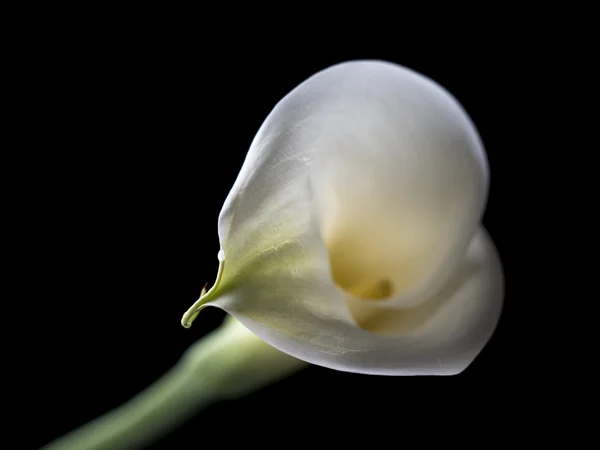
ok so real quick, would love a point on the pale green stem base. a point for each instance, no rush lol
(227, 363)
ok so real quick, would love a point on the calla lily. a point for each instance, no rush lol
(351, 238)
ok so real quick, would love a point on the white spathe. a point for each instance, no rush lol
(351, 238)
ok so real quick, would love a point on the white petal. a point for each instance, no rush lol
(390, 160)
(344, 237)
(297, 314)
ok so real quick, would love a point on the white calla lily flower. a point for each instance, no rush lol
(351, 238)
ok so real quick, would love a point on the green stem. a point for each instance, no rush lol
(228, 363)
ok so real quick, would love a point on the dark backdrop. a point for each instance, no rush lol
(144, 137)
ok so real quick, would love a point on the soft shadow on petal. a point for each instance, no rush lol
(477, 276)
(400, 179)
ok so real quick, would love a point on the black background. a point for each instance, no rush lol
(142, 137)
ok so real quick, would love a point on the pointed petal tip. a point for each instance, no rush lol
(189, 317)
(191, 314)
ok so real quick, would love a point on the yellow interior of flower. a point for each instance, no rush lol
(353, 275)
(364, 263)
(372, 289)
(379, 224)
